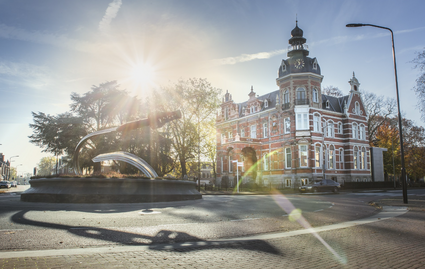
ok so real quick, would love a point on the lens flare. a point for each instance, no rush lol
(294, 214)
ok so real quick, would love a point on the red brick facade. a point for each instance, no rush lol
(279, 136)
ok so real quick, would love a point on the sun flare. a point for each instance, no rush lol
(143, 74)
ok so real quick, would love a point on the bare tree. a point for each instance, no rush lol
(332, 91)
(379, 110)
(420, 83)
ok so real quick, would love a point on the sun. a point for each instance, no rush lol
(143, 75)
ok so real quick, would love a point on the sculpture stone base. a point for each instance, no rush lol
(109, 190)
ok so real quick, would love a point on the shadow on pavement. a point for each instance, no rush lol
(164, 240)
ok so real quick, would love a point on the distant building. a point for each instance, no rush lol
(4, 167)
(287, 136)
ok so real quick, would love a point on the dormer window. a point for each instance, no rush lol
(283, 66)
(315, 64)
(327, 104)
(266, 103)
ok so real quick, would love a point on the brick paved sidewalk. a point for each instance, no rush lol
(392, 243)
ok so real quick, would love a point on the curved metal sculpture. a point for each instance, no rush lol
(154, 120)
(132, 159)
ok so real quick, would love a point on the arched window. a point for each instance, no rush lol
(303, 149)
(341, 158)
(357, 108)
(318, 155)
(340, 131)
(301, 94)
(362, 132)
(363, 159)
(355, 158)
(286, 97)
(327, 104)
(330, 130)
(355, 153)
(316, 122)
(354, 131)
(315, 96)
(331, 160)
(266, 103)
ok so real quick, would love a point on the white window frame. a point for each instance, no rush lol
(230, 164)
(362, 132)
(331, 157)
(315, 95)
(318, 155)
(355, 158)
(303, 152)
(288, 158)
(354, 130)
(301, 92)
(266, 103)
(265, 130)
(340, 131)
(265, 162)
(357, 108)
(286, 97)
(286, 125)
(254, 131)
(288, 182)
(230, 134)
(316, 123)
(302, 121)
(341, 158)
(242, 132)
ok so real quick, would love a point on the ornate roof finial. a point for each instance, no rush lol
(296, 19)
(354, 75)
(252, 88)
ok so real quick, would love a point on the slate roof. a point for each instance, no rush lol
(336, 104)
(271, 97)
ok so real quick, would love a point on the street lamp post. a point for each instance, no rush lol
(10, 162)
(403, 169)
(238, 164)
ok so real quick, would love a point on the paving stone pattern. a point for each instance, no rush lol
(393, 243)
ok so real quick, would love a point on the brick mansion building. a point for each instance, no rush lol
(295, 134)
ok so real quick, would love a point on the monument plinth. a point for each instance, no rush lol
(114, 190)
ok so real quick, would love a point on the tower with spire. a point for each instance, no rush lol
(295, 134)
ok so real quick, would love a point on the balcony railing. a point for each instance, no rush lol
(301, 102)
(298, 47)
(285, 106)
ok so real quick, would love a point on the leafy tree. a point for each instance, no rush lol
(387, 136)
(420, 82)
(56, 134)
(209, 149)
(198, 102)
(46, 166)
(332, 91)
(102, 107)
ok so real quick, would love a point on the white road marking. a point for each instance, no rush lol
(386, 213)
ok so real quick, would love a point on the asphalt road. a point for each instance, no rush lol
(47, 226)
(249, 231)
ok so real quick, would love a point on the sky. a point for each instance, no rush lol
(50, 49)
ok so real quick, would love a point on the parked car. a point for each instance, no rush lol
(13, 184)
(5, 184)
(321, 185)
